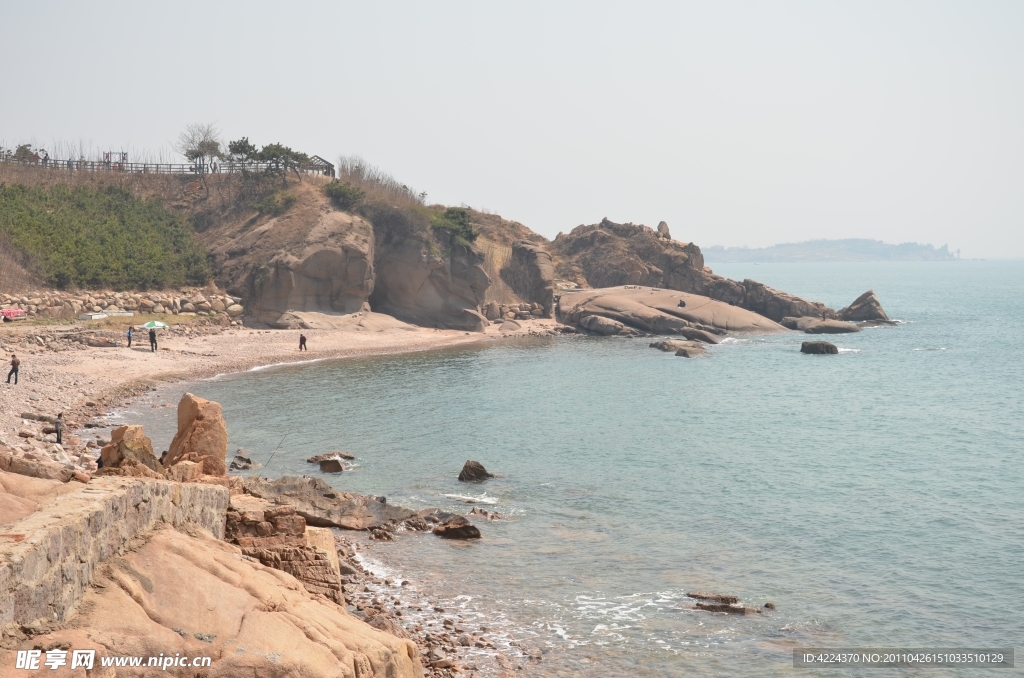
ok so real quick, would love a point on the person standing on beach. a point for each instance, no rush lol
(152, 340)
(130, 336)
(15, 364)
(302, 342)
(59, 427)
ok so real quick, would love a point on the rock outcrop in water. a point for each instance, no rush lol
(819, 326)
(609, 254)
(819, 348)
(866, 307)
(473, 471)
(682, 348)
(323, 506)
(457, 527)
(633, 309)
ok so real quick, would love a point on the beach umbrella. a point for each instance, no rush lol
(154, 325)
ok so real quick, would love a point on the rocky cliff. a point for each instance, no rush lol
(609, 254)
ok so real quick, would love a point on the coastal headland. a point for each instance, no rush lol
(95, 557)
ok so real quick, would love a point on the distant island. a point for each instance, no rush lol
(851, 249)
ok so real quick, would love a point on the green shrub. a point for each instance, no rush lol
(275, 204)
(101, 237)
(344, 196)
(455, 220)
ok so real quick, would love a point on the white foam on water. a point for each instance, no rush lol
(849, 350)
(943, 348)
(468, 499)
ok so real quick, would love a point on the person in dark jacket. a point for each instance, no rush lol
(15, 364)
(59, 427)
(302, 342)
(130, 336)
(152, 340)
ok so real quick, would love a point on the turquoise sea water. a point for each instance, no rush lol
(876, 497)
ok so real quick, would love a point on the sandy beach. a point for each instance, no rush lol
(59, 373)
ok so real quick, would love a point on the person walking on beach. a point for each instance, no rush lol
(130, 336)
(302, 342)
(152, 340)
(15, 364)
(59, 427)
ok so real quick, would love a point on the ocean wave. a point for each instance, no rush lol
(469, 499)
(940, 348)
(733, 340)
(849, 350)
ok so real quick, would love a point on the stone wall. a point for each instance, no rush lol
(46, 575)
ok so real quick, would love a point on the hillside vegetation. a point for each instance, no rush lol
(105, 236)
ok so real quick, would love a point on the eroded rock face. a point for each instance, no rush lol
(419, 286)
(252, 620)
(202, 436)
(129, 443)
(621, 310)
(531, 274)
(864, 308)
(610, 254)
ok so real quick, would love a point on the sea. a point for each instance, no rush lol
(875, 497)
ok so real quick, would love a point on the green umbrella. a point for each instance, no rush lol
(154, 325)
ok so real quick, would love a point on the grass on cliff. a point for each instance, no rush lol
(102, 237)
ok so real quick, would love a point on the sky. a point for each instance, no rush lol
(737, 123)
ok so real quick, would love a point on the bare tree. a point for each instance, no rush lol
(200, 143)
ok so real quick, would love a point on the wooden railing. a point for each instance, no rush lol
(214, 167)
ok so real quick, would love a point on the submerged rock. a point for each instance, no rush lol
(819, 348)
(681, 347)
(457, 527)
(812, 325)
(330, 455)
(332, 465)
(714, 597)
(474, 470)
(728, 609)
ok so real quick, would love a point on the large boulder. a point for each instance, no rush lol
(323, 506)
(657, 311)
(129, 443)
(819, 348)
(202, 435)
(866, 307)
(530, 273)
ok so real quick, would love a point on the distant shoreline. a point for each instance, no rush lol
(829, 251)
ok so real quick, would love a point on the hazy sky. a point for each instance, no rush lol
(737, 123)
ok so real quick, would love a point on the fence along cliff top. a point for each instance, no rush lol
(118, 162)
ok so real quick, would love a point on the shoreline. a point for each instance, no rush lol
(86, 383)
(107, 379)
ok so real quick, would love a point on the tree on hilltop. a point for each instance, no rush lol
(200, 144)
